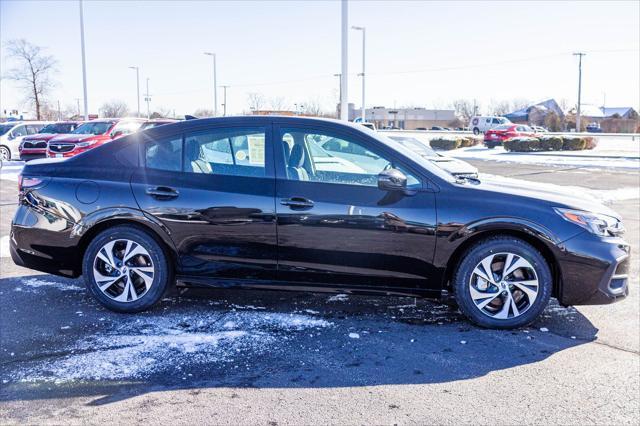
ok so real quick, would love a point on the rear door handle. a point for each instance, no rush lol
(162, 192)
(297, 203)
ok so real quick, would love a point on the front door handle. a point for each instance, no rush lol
(297, 203)
(162, 192)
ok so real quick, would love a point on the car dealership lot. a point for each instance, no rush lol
(223, 356)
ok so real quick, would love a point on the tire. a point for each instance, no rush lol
(5, 153)
(144, 276)
(524, 302)
(476, 131)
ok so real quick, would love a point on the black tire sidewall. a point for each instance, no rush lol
(478, 252)
(162, 271)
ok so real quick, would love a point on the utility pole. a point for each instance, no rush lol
(59, 112)
(339, 85)
(215, 84)
(137, 86)
(364, 118)
(147, 98)
(579, 55)
(84, 64)
(78, 103)
(224, 105)
(344, 103)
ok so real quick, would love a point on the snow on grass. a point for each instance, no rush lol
(165, 343)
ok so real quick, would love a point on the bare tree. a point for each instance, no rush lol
(278, 103)
(255, 100)
(114, 109)
(313, 107)
(203, 112)
(32, 71)
(520, 103)
(499, 107)
(464, 108)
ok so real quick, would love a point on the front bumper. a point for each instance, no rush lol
(594, 270)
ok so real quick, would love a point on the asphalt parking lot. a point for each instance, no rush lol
(242, 357)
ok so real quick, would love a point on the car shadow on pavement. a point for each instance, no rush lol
(57, 342)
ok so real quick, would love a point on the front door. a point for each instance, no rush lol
(336, 227)
(214, 190)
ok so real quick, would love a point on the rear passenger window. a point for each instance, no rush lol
(164, 155)
(236, 152)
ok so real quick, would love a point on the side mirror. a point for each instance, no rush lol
(10, 136)
(392, 180)
(116, 134)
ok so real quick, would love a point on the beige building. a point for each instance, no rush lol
(405, 118)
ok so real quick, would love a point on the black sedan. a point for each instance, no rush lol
(255, 202)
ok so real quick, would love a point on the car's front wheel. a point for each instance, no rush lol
(502, 282)
(5, 153)
(126, 269)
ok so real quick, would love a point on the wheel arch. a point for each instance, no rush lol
(94, 226)
(536, 236)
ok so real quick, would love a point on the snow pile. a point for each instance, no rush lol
(164, 343)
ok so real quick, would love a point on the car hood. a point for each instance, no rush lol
(552, 195)
(43, 136)
(453, 166)
(71, 138)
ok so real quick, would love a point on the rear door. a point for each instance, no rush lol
(335, 226)
(213, 188)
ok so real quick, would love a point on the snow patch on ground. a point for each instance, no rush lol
(338, 298)
(11, 170)
(4, 246)
(35, 284)
(160, 343)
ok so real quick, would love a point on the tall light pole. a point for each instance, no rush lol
(339, 85)
(363, 67)
(147, 98)
(344, 103)
(78, 103)
(215, 84)
(137, 86)
(224, 97)
(84, 64)
(579, 55)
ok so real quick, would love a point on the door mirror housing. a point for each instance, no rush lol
(10, 136)
(392, 180)
(116, 134)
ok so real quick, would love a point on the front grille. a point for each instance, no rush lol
(35, 144)
(61, 147)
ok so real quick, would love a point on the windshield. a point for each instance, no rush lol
(5, 128)
(58, 128)
(416, 146)
(94, 128)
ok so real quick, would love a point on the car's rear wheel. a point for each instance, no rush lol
(126, 269)
(476, 131)
(502, 282)
(5, 153)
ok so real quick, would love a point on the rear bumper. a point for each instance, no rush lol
(594, 270)
(43, 242)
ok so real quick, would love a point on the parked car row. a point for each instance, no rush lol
(40, 139)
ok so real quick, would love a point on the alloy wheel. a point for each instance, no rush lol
(123, 270)
(504, 285)
(5, 154)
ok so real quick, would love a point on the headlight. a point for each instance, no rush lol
(85, 144)
(599, 224)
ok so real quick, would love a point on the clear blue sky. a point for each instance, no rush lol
(418, 53)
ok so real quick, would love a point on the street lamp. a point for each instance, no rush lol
(137, 86)
(84, 64)
(363, 67)
(224, 97)
(215, 84)
(579, 55)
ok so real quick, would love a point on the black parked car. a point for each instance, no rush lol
(243, 202)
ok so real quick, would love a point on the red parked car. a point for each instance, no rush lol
(149, 124)
(35, 146)
(90, 135)
(497, 135)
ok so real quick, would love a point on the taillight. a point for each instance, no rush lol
(26, 182)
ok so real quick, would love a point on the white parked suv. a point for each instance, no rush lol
(12, 133)
(480, 124)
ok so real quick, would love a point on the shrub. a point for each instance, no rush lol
(590, 142)
(522, 144)
(467, 141)
(445, 143)
(550, 143)
(573, 143)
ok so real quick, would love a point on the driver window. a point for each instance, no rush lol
(19, 131)
(323, 158)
